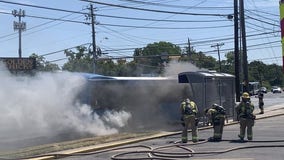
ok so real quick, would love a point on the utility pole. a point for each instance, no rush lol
(244, 45)
(93, 21)
(189, 47)
(236, 51)
(20, 26)
(218, 45)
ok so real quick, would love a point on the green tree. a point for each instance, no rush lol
(201, 60)
(80, 61)
(43, 65)
(228, 65)
(151, 59)
(256, 71)
(274, 75)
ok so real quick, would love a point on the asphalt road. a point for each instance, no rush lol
(269, 99)
(268, 142)
(266, 131)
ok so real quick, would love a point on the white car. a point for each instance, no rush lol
(275, 89)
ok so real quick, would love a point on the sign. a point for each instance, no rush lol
(19, 64)
(281, 5)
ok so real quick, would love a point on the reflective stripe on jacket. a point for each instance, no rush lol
(245, 109)
(191, 104)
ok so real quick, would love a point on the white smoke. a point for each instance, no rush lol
(174, 68)
(46, 105)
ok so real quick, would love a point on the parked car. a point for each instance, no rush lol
(275, 89)
(262, 89)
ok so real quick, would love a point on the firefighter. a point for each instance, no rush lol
(260, 102)
(245, 116)
(189, 111)
(216, 115)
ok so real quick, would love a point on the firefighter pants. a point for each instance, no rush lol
(246, 124)
(260, 105)
(218, 126)
(189, 121)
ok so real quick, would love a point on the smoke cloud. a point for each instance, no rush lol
(174, 68)
(46, 105)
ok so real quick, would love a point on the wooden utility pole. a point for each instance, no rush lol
(218, 45)
(244, 46)
(236, 51)
(93, 21)
(189, 47)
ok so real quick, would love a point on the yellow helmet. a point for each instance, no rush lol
(245, 95)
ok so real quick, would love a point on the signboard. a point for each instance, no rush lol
(281, 3)
(19, 64)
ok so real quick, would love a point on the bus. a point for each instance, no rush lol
(253, 88)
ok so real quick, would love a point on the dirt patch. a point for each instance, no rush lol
(55, 147)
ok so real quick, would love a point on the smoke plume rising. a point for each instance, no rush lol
(45, 105)
(174, 68)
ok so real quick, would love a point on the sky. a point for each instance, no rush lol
(121, 29)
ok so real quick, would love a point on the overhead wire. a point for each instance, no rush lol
(261, 16)
(153, 10)
(63, 10)
(177, 6)
(42, 7)
(261, 11)
(259, 20)
(37, 26)
(254, 5)
(160, 20)
(152, 27)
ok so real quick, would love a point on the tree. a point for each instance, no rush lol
(201, 60)
(228, 65)
(43, 65)
(151, 58)
(80, 61)
(274, 75)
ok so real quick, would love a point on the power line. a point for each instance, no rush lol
(263, 21)
(261, 16)
(128, 26)
(160, 20)
(124, 57)
(258, 10)
(253, 24)
(58, 19)
(46, 54)
(49, 18)
(42, 7)
(199, 41)
(175, 6)
(159, 11)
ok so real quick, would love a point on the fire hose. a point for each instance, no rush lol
(158, 153)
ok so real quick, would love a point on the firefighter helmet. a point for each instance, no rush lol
(215, 105)
(245, 95)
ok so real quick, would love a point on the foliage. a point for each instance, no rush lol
(200, 60)
(81, 61)
(228, 65)
(43, 65)
(267, 75)
(151, 60)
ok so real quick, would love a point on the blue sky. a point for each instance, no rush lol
(47, 36)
